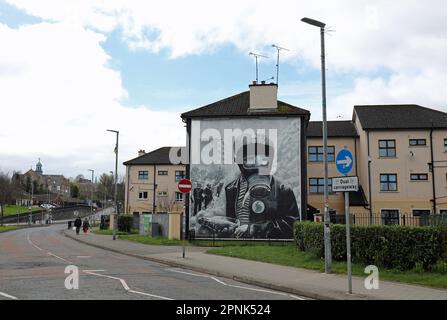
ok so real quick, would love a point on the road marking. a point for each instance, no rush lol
(60, 258)
(32, 243)
(83, 257)
(48, 252)
(150, 295)
(86, 271)
(124, 284)
(8, 296)
(235, 286)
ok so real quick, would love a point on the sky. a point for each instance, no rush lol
(71, 69)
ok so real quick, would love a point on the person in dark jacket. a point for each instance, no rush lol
(85, 225)
(207, 195)
(259, 203)
(78, 224)
(197, 198)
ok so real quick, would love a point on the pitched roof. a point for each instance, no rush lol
(405, 116)
(158, 156)
(334, 129)
(238, 105)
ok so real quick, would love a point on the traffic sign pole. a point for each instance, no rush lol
(184, 186)
(348, 242)
(344, 163)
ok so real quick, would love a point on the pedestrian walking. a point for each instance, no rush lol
(78, 224)
(85, 225)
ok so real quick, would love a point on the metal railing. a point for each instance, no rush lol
(403, 219)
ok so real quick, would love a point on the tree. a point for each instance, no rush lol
(7, 192)
(74, 191)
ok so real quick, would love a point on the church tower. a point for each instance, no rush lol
(39, 167)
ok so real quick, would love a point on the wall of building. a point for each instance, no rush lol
(316, 170)
(165, 183)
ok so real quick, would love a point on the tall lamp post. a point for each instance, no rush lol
(116, 181)
(327, 233)
(91, 197)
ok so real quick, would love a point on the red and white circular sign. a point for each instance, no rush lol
(185, 185)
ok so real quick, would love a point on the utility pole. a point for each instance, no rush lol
(116, 181)
(91, 197)
(327, 232)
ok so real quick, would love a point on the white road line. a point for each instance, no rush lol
(150, 295)
(48, 252)
(83, 257)
(60, 258)
(8, 296)
(125, 286)
(31, 243)
(235, 286)
(86, 271)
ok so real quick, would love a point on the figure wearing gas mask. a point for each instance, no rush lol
(259, 203)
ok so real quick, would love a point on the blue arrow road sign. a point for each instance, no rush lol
(344, 161)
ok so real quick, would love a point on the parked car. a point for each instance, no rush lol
(47, 206)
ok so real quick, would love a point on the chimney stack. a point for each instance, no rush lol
(141, 152)
(263, 96)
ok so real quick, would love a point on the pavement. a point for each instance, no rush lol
(296, 281)
(39, 263)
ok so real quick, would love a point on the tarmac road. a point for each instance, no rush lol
(33, 262)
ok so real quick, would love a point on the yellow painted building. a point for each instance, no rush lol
(151, 183)
(400, 158)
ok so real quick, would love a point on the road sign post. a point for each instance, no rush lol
(184, 186)
(344, 162)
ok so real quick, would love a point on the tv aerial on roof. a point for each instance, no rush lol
(278, 49)
(257, 55)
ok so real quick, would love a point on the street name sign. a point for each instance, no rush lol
(345, 184)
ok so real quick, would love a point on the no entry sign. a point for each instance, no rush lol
(185, 185)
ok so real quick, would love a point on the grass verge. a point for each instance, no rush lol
(7, 228)
(292, 257)
(10, 210)
(109, 232)
(151, 240)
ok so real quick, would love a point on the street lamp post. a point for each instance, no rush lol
(91, 197)
(327, 233)
(116, 181)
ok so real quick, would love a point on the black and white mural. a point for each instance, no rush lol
(246, 175)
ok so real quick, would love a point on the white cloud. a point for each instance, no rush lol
(59, 68)
(59, 96)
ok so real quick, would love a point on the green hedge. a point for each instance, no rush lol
(390, 247)
(125, 223)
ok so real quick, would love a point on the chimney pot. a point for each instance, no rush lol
(254, 82)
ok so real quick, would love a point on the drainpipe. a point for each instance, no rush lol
(155, 187)
(433, 170)
(369, 180)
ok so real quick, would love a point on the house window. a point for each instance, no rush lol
(388, 182)
(424, 216)
(142, 195)
(143, 175)
(418, 142)
(316, 154)
(162, 193)
(389, 217)
(387, 148)
(162, 173)
(419, 177)
(316, 185)
(443, 212)
(179, 175)
(178, 196)
(421, 212)
(445, 145)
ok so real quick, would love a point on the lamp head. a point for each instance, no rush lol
(314, 22)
